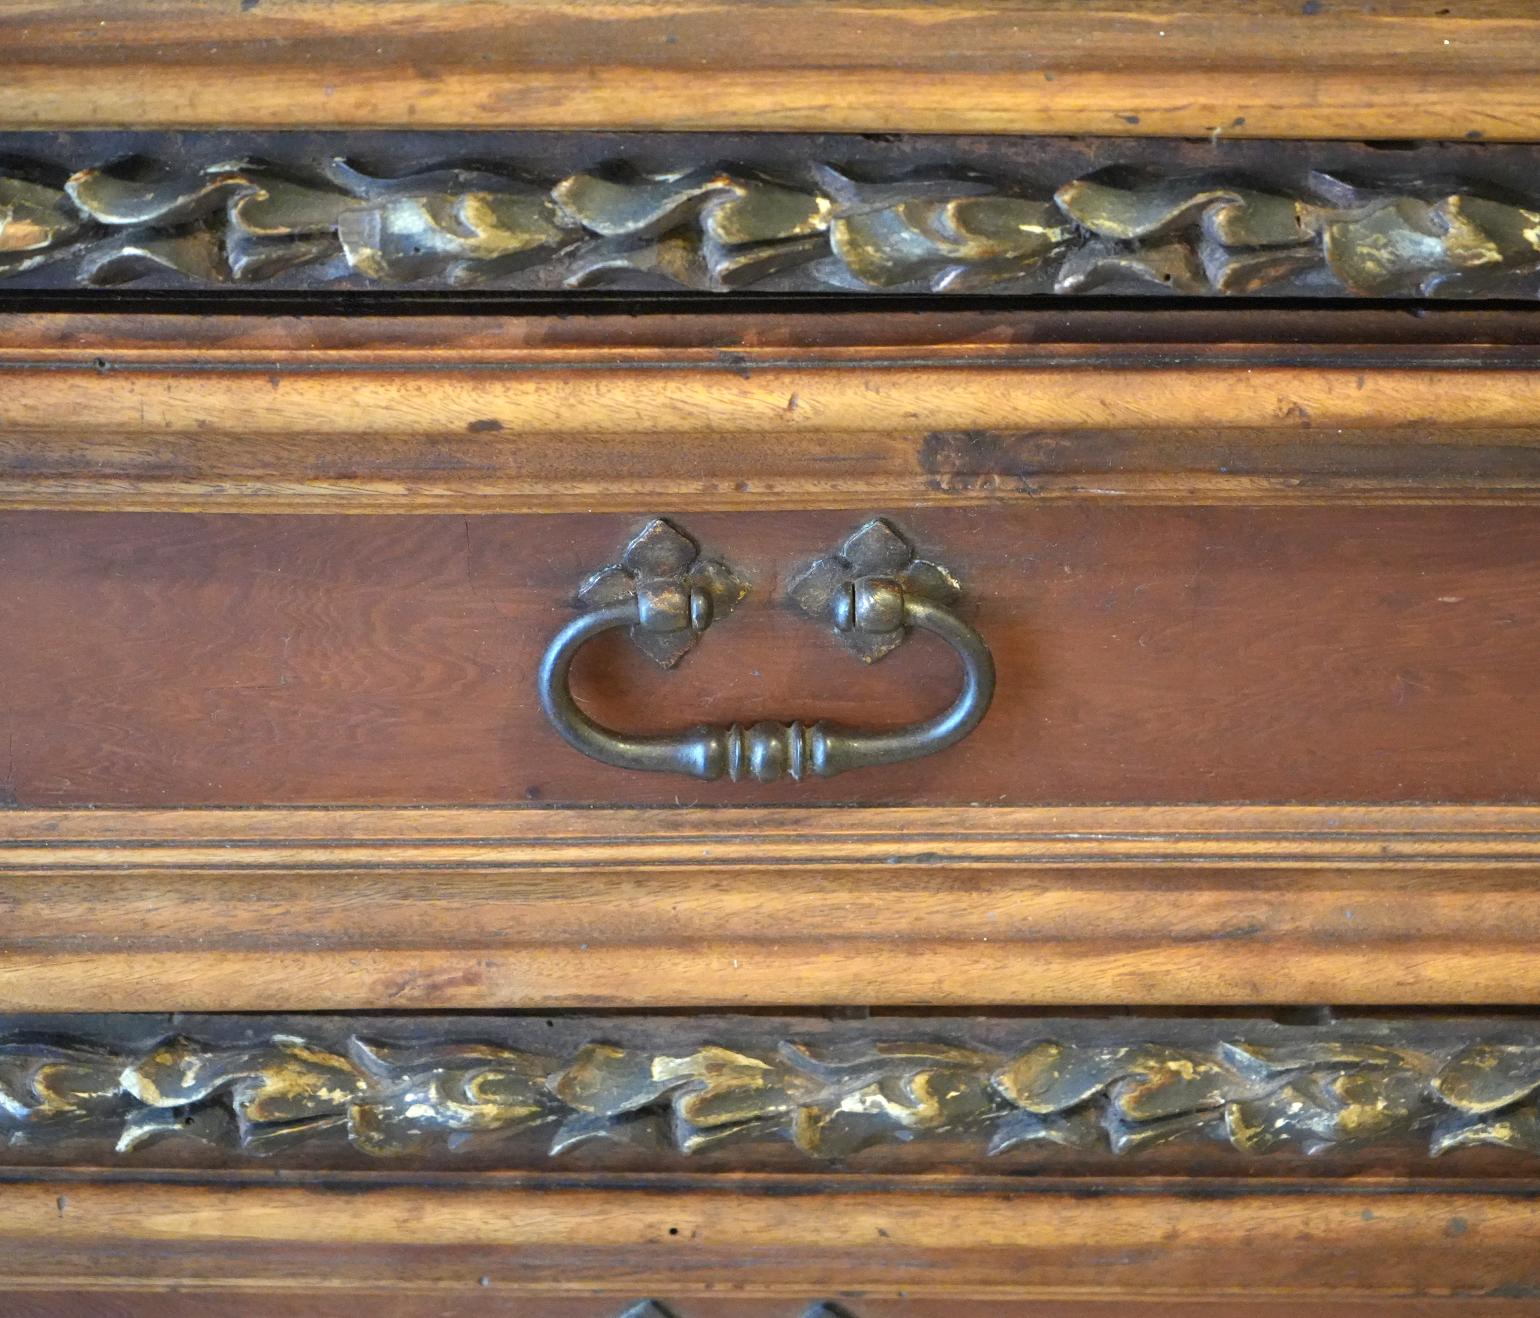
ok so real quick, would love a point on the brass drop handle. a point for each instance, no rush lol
(871, 592)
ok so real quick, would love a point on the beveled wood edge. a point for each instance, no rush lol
(381, 419)
(476, 837)
(405, 1301)
(535, 908)
(848, 394)
(1192, 70)
(612, 326)
(473, 498)
(766, 1239)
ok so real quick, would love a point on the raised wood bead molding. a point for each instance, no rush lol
(174, 909)
(1191, 68)
(811, 213)
(610, 413)
(398, 1089)
(763, 1247)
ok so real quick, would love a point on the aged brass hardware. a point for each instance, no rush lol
(872, 592)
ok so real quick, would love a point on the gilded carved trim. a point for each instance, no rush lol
(1314, 1091)
(722, 226)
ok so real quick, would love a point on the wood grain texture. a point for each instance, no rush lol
(667, 414)
(629, 329)
(267, 910)
(1145, 655)
(770, 1240)
(304, 1303)
(1206, 67)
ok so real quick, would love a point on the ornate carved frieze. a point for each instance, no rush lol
(1254, 1090)
(1151, 220)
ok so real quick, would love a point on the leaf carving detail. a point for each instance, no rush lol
(718, 227)
(829, 1101)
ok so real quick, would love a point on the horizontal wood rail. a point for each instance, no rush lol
(759, 1242)
(328, 909)
(459, 415)
(1195, 68)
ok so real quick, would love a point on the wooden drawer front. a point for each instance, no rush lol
(1262, 617)
(1156, 654)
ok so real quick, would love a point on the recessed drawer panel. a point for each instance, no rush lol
(1201, 653)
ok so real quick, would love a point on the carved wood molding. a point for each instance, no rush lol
(602, 413)
(1400, 70)
(1117, 1087)
(1150, 222)
(748, 1248)
(699, 907)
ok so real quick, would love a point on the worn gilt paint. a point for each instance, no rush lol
(1314, 1092)
(718, 226)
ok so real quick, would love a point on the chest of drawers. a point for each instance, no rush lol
(610, 712)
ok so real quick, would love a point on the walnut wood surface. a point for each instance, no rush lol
(1289, 567)
(763, 1240)
(320, 1304)
(395, 1304)
(291, 1303)
(1368, 642)
(666, 414)
(1144, 654)
(509, 329)
(1394, 657)
(1206, 67)
(255, 910)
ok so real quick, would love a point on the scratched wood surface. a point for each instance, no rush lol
(265, 910)
(769, 1240)
(176, 1303)
(1284, 68)
(1284, 565)
(67, 1303)
(1349, 625)
(676, 412)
